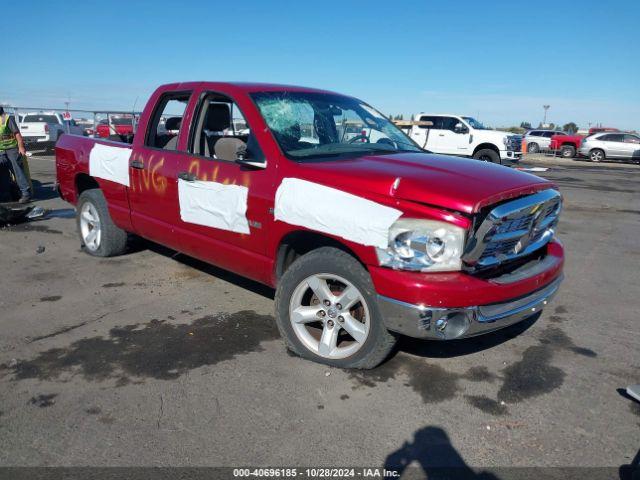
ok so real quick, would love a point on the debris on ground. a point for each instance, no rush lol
(14, 212)
(40, 249)
(532, 169)
(36, 212)
(634, 391)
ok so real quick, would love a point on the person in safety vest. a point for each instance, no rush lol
(11, 152)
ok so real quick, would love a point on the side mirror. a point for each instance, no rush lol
(460, 128)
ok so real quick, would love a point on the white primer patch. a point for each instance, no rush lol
(110, 163)
(329, 210)
(213, 204)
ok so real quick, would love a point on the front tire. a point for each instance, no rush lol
(326, 311)
(533, 148)
(487, 155)
(596, 155)
(100, 236)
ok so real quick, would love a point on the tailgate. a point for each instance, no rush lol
(33, 128)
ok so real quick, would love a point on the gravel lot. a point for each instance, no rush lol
(157, 359)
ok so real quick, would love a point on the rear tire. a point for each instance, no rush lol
(487, 155)
(533, 147)
(99, 235)
(596, 155)
(304, 332)
(567, 151)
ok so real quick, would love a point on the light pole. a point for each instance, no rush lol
(544, 122)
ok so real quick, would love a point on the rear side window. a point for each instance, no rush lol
(548, 134)
(612, 137)
(436, 121)
(40, 118)
(631, 139)
(165, 125)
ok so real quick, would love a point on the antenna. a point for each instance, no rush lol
(134, 124)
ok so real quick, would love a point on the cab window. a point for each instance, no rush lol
(221, 130)
(436, 122)
(166, 122)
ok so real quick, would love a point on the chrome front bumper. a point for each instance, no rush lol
(421, 321)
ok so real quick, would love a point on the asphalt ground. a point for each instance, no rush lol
(157, 359)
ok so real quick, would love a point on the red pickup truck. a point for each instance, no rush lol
(363, 238)
(115, 126)
(568, 145)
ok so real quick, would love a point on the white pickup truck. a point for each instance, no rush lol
(42, 129)
(464, 137)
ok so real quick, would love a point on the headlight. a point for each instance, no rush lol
(423, 245)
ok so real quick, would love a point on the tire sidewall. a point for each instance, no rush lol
(494, 157)
(96, 198)
(332, 261)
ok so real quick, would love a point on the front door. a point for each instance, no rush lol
(224, 206)
(449, 140)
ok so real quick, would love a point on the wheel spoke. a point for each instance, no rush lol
(328, 341)
(320, 288)
(305, 314)
(86, 215)
(348, 297)
(354, 328)
(91, 236)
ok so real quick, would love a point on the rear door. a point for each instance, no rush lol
(614, 145)
(425, 136)
(153, 171)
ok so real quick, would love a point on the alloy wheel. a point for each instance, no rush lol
(90, 226)
(330, 316)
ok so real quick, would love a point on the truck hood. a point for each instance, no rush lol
(453, 183)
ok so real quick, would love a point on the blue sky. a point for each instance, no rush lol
(497, 60)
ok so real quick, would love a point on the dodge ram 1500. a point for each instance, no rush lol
(363, 237)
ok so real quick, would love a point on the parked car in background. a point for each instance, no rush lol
(43, 129)
(359, 238)
(568, 145)
(115, 126)
(540, 140)
(465, 137)
(88, 126)
(619, 146)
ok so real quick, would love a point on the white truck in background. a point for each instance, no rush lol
(42, 130)
(464, 137)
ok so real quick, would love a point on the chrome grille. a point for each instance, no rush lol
(514, 229)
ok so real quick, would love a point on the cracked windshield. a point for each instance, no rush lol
(318, 125)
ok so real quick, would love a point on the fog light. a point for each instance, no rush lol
(453, 325)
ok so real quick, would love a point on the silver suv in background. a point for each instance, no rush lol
(605, 145)
(539, 140)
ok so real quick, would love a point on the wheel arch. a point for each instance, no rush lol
(485, 146)
(299, 242)
(84, 181)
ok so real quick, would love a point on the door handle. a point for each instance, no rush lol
(138, 164)
(187, 177)
(441, 134)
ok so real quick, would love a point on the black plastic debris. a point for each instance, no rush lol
(11, 213)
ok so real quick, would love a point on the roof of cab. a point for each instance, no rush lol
(246, 87)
